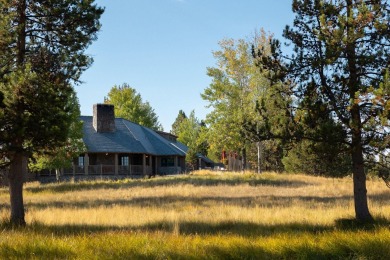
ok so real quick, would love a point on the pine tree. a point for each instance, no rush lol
(42, 46)
(191, 133)
(341, 53)
(179, 119)
(62, 156)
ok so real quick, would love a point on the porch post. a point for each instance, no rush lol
(176, 164)
(150, 165)
(116, 164)
(156, 165)
(130, 161)
(144, 164)
(86, 164)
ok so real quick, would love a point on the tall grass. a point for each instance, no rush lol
(198, 216)
(127, 245)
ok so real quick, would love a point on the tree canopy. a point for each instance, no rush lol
(129, 105)
(179, 119)
(191, 132)
(62, 156)
(236, 92)
(338, 71)
(42, 53)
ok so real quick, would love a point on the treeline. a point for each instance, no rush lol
(245, 105)
(327, 100)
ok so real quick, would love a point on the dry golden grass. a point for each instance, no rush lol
(200, 216)
(289, 199)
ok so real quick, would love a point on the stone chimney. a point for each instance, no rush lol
(103, 118)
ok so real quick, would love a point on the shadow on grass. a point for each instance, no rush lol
(36, 251)
(244, 229)
(354, 224)
(194, 180)
(211, 249)
(204, 201)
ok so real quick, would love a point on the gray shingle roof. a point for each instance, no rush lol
(128, 138)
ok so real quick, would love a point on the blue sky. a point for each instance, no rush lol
(162, 48)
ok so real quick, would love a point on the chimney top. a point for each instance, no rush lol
(104, 118)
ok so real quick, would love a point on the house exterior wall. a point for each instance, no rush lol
(111, 164)
(102, 164)
(165, 165)
(102, 158)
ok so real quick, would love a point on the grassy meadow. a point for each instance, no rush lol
(204, 215)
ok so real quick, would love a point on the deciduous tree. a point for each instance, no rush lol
(235, 93)
(129, 105)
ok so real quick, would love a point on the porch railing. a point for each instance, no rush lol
(103, 169)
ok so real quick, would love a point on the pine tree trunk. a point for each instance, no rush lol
(362, 212)
(359, 177)
(17, 172)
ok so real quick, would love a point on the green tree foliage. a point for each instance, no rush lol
(1, 100)
(188, 130)
(338, 71)
(179, 119)
(226, 95)
(317, 158)
(268, 154)
(62, 156)
(191, 133)
(42, 46)
(324, 152)
(129, 105)
(270, 121)
(235, 93)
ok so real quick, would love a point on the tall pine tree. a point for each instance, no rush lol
(42, 53)
(341, 55)
(179, 119)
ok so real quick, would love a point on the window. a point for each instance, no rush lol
(125, 160)
(81, 161)
(167, 162)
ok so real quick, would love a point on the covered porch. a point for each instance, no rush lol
(125, 164)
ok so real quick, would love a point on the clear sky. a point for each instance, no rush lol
(162, 48)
